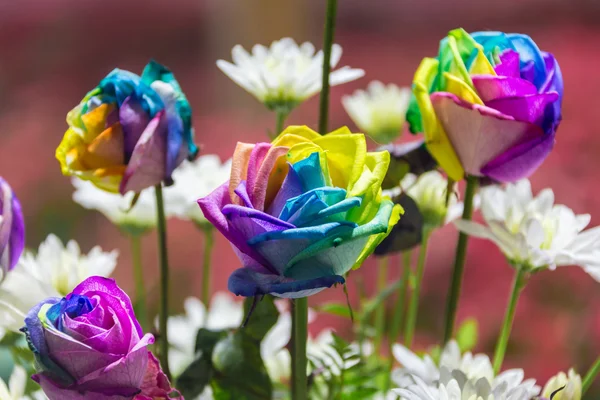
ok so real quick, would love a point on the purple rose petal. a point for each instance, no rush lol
(521, 160)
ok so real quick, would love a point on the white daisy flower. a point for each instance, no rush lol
(285, 74)
(423, 379)
(116, 207)
(564, 387)
(455, 386)
(379, 111)
(428, 190)
(533, 232)
(193, 180)
(15, 388)
(53, 272)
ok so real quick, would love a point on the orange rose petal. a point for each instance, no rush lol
(95, 121)
(108, 148)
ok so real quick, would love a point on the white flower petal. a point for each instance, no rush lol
(284, 73)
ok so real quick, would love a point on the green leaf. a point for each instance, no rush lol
(262, 319)
(338, 309)
(239, 371)
(467, 335)
(198, 374)
(206, 340)
(372, 304)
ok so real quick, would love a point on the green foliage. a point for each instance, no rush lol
(467, 335)
(230, 361)
(239, 372)
(337, 309)
(340, 373)
(263, 318)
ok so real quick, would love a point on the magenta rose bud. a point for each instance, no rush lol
(89, 345)
(12, 229)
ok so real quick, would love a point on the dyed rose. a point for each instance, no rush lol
(489, 105)
(302, 211)
(130, 132)
(89, 345)
(12, 229)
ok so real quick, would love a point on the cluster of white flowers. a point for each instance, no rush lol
(193, 180)
(457, 376)
(53, 272)
(15, 389)
(534, 232)
(379, 111)
(284, 74)
(428, 190)
(116, 207)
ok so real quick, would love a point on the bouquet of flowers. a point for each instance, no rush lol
(302, 210)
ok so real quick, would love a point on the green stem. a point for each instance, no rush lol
(280, 116)
(413, 307)
(459, 261)
(163, 312)
(327, 43)
(299, 360)
(590, 376)
(398, 316)
(383, 266)
(209, 241)
(518, 285)
(138, 276)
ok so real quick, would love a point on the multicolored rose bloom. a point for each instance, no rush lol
(302, 211)
(130, 132)
(89, 345)
(12, 229)
(489, 105)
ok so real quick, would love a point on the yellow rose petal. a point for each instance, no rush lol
(463, 91)
(346, 156)
(436, 139)
(95, 121)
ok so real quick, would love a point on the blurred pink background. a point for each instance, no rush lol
(54, 51)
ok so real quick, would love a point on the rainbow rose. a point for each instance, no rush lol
(302, 211)
(489, 105)
(12, 229)
(130, 132)
(89, 345)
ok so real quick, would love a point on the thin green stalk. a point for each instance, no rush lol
(459, 261)
(398, 316)
(163, 312)
(327, 43)
(413, 307)
(590, 376)
(518, 285)
(299, 360)
(280, 116)
(209, 240)
(383, 266)
(138, 276)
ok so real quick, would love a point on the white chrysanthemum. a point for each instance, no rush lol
(422, 378)
(284, 74)
(379, 111)
(53, 272)
(15, 389)
(429, 193)
(193, 180)
(116, 207)
(566, 387)
(533, 232)
(456, 386)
